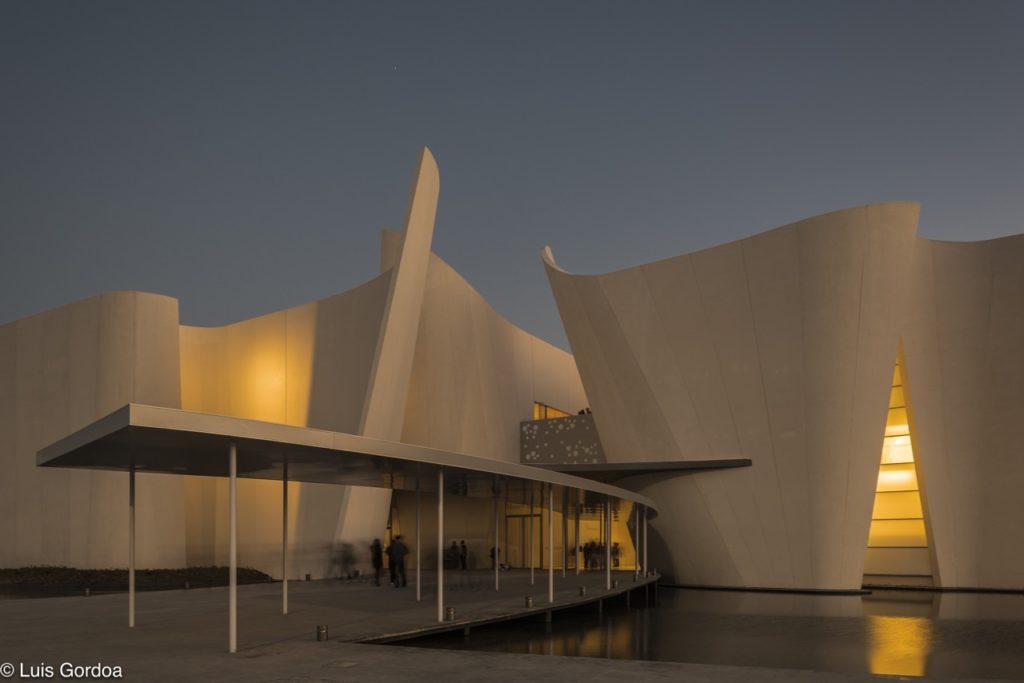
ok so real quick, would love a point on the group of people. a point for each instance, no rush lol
(594, 555)
(458, 555)
(396, 552)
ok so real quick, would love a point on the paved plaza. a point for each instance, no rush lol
(182, 635)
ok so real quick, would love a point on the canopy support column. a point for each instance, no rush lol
(284, 540)
(419, 593)
(131, 546)
(551, 543)
(533, 560)
(608, 542)
(233, 548)
(576, 535)
(497, 542)
(646, 567)
(636, 536)
(565, 531)
(440, 544)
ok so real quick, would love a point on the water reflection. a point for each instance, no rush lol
(892, 632)
(899, 645)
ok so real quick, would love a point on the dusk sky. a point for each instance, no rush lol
(244, 156)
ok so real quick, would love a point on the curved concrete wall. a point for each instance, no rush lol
(307, 366)
(59, 371)
(476, 375)
(413, 355)
(778, 348)
(964, 365)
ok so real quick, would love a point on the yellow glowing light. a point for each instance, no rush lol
(897, 524)
(899, 645)
(895, 478)
(897, 449)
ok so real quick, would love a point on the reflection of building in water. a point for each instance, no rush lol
(900, 630)
(899, 646)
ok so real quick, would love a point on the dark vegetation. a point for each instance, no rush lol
(43, 581)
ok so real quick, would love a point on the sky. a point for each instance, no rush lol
(244, 156)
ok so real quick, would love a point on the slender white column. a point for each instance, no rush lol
(645, 542)
(419, 593)
(284, 540)
(233, 548)
(533, 560)
(440, 544)
(497, 543)
(608, 542)
(540, 527)
(636, 536)
(576, 533)
(131, 546)
(551, 543)
(565, 531)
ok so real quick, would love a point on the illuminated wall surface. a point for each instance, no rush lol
(413, 355)
(897, 542)
(779, 348)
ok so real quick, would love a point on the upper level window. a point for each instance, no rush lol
(542, 411)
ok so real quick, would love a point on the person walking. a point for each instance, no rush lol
(397, 557)
(376, 560)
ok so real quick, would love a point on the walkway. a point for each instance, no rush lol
(353, 611)
(180, 635)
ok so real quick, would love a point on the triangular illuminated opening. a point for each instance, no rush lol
(898, 542)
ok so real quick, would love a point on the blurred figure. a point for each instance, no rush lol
(396, 561)
(453, 556)
(377, 560)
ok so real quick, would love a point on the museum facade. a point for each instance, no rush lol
(831, 403)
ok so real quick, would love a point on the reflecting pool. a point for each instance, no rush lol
(905, 633)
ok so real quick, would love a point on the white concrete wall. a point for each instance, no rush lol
(59, 371)
(306, 366)
(778, 348)
(964, 373)
(414, 354)
(476, 375)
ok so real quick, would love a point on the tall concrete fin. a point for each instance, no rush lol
(365, 510)
(384, 408)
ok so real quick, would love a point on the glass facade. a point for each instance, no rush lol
(542, 411)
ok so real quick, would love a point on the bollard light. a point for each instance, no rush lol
(321, 633)
(529, 601)
(583, 591)
(449, 614)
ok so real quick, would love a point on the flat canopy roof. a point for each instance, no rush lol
(614, 471)
(172, 441)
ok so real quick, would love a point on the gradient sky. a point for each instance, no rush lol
(243, 156)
